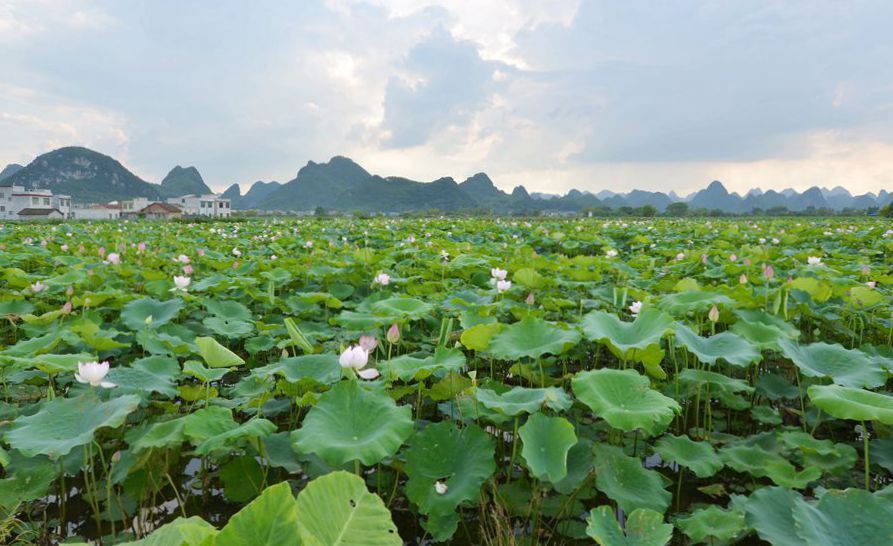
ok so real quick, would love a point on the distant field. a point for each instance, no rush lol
(472, 381)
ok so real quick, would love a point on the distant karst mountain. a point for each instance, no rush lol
(183, 181)
(85, 175)
(342, 184)
(10, 170)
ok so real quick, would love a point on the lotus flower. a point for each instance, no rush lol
(64, 248)
(733, 258)
(680, 257)
(635, 307)
(237, 252)
(713, 314)
(768, 272)
(814, 260)
(871, 284)
(141, 247)
(93, 373)
(742, 279)
(200, 252)
(356, 358)
(114, 258)
(440, 487)
(611, 253)
(498, 274)
(181, 282)
(273, 258)
(187, 269)
(393, 335)
(368, 343)
(38, 287)
(383, 279)
(309, 244)
(502, 286)
(183, 259)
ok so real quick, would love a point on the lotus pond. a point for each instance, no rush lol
(460, 381)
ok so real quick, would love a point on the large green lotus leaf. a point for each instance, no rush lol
(150, 374)
(230, 329)
(851, 517)
(849, 403)
(518, 400)
(730, 347)
(279, 453)
(692, 379)
(65, 423)
(51, 364)
(269, 520)
(546, 442)
(579, 466)
(198, 371)
(850, 368)
(751, 459)
(624, 480)
(862, 296)
(769, 511)
(352, 423)
(462, 459)
(216, 355)
(401, 308)
(253, 429)
(407, 368)
(28, 483)
(819, 290)
(323, 369)
(683, 303)
(532, 337)
(643, 528)
(192, 531)
(338, 510)
(136, 314)
(228, 309)
(625, 400)
(161, 435)
(477, 337)
(712, 524)
(699, 457)
(783, 473)
(207, 423)
(242, 478)
(762, 329)
(624, 339)
(15, 307)
(35, 345)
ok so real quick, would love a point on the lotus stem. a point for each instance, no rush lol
(865, 452)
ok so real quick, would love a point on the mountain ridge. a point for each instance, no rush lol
(342, 184)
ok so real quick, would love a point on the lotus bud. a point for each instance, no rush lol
(742, 279)
(713, 314)
(148, 320)
(529, 299)
(393, 335)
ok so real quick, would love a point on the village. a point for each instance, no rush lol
(19, 203)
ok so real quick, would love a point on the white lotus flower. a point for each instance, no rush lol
(93, 373)
(38, 287)
(498, 274)
(635, 307)
(611, 253)
(871, 284)
(181, 282)
(354, 357)
(814, 260)
(383, 279)
(114, 258)
(680, 257)
(183, 259)
(440, 487)
(502, 286)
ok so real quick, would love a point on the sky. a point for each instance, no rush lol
(657, 95)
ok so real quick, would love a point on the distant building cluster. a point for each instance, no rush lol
(17, 203)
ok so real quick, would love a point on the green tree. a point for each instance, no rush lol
(678, 209)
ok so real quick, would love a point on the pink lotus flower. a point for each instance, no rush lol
(355, 357)
(200, 252)
(140, 248)
(768, 272)
(502, 286)
(733, 258)
(38, 287)
(368, 343)
(64, 248)
(382, 279)
(101, 251)
(114, 258)
(183, 259)
(635, 307)
(187, 269)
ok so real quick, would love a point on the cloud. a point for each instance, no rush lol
(554, 95)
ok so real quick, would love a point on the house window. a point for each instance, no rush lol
(46, 201)
(2, 208)
(35, 200)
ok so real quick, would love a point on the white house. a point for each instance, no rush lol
(15, 199)
(202, 205)
(111, 211)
